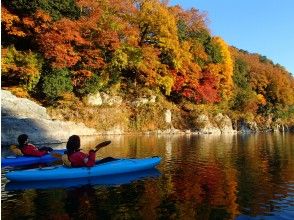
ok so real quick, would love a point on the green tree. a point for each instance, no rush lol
(56, 82)
(56, 8)
(240, 74)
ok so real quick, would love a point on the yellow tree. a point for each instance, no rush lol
(226, 70)
(158, 27)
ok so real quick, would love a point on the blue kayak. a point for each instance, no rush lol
(28, 160)
(115, 167)
(112, 180)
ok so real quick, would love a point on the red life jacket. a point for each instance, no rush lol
(80, 159)
(31, 150)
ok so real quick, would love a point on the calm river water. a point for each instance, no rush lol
(200, 177)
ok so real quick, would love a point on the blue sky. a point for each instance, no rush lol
(258, 26)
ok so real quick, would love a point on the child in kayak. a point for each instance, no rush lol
(80, 159)
(29, 149)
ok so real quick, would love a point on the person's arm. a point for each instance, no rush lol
(90, 159)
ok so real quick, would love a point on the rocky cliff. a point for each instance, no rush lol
(19, 115)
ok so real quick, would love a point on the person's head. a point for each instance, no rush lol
(73, 144)
(22, 139)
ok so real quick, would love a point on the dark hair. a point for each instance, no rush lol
(73, 144)
(22, 139)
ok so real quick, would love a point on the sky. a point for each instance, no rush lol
(265, 27)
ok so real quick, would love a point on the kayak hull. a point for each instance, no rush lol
(115, 167)
(28, 160)
(112, 180)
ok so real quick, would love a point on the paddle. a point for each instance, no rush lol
(98, 146)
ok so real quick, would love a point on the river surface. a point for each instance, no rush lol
(199, 177)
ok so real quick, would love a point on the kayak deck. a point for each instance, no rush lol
(115, 167)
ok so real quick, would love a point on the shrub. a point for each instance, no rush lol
(56, 83)
(90, 86)
(21, 68)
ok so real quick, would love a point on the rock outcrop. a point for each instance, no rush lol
(221, 124)
(19, 115)
(98, 99)
(204, 125)
(224, 123)
(247, 126)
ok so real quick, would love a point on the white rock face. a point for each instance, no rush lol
(40, 130)
(224, 123)
(168, 116)
(19, 115)
(20, 107)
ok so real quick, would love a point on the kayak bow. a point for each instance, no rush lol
(28, 160)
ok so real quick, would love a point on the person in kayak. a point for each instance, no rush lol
(75, 156)
(80, 159)
(29, 149)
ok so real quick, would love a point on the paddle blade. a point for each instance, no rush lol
(16, 150)
(103, 144)
(56, 155)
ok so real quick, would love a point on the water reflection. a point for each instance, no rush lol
(203, 177)
(111, 180)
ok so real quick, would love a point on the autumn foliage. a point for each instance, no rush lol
(143, 42)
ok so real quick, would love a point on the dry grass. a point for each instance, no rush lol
(101, 118)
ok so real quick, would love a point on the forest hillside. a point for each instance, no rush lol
(61, 52)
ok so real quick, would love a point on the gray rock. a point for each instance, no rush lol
(94, 100)
(205, 126)
(247, 126)
(40, 130)
(20, 107)
(224, 123)
(143, 101)
(152, 99)
(21, 115)
(111, 100)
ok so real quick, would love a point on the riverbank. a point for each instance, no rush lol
(144, 116)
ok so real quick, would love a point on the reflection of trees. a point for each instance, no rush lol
(203, 184)
(261, 162)
(22, 205)
(105, 203)
(204, 177)
(35, 204)
(80, 202)
(207, 189)
(50, 205)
